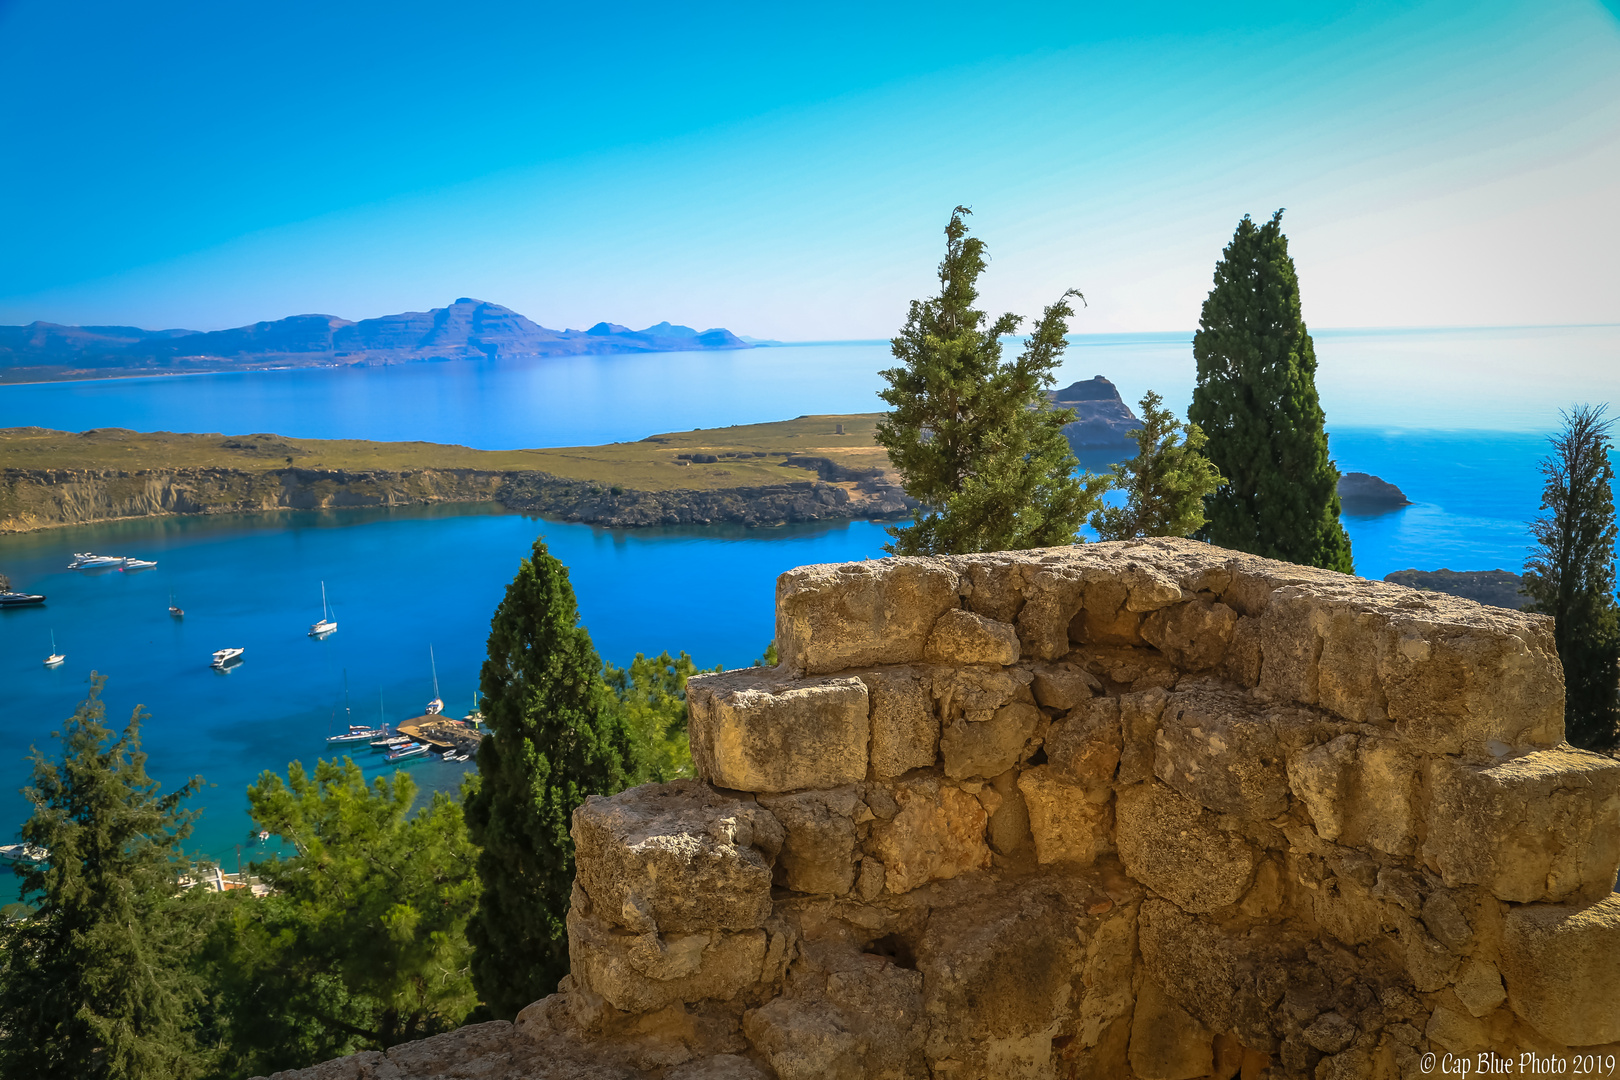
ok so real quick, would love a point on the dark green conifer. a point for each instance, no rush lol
(1570, 576)
(556, 737)
(1165, 484)
(1256, 401)
(976, 440)
(97, 983)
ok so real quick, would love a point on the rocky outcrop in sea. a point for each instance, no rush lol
(1103, 420)
(1363, 493)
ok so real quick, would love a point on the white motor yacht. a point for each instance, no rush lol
(138, 564)
(83, 560)
(224, 658)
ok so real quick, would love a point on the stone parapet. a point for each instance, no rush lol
(1149, 810)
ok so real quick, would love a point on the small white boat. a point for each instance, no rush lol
(224, 658)
(55, 658)
(30, 853)
(363, 735)
(137, 564)
(407, 751)
(327, 625)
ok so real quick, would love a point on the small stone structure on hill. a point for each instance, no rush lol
(1148, 809)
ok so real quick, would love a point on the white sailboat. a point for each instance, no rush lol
(436, 706)
(327, 625)
(56, 658)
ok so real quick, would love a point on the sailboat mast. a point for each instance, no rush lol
(434, 663)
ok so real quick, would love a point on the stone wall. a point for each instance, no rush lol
(1152, 810)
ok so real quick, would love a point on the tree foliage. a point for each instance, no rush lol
(1256, 401)
(1570, 576)
(361, 942)
(1166, 483)
(652, 700)
(97, 983)
(975, 439)
(556, 737)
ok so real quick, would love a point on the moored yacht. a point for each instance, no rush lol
(20, 599)
(327, 625)
(436, 706)
(137, 564)
(55, 658)
(225, 658)
(83, 560)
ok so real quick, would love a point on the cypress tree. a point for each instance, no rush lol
(976, 440)
(1165, 484)
(1570, 576)
(1256, 401)
(98, 982)
(556, 737)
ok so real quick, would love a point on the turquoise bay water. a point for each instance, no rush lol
(1436, 413)
(398, 583)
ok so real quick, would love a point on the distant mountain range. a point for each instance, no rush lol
(466, 330)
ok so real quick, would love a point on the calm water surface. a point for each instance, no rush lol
(1507, 380)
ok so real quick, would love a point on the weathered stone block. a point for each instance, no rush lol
(1069, 823)
(1360, 790)
(1226, 980)
(1562, 968)
(1051, 601)
(905, 730)
(675, 858)
(938, 833)
(751, 733)
(1084, 747)
(818, 854)
(962, 637)
(1139, 729)
(1458, 678)
(1171, 845)
(1064, 685)
(1543, 827)
(866, 614)
(989, 747)
(1218, 748)
(1000, 971)
(805, 1040)
(644, 972)
(1166, 1043)
(1194, 635)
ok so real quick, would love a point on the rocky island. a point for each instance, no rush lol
(1363, 493)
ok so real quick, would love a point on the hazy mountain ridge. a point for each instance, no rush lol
(465, 330)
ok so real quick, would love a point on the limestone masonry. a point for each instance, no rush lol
(1148, 809)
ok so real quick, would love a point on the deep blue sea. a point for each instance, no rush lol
(1457, 419)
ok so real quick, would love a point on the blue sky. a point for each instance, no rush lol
(785, 170)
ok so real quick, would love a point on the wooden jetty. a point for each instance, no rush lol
(443, 733)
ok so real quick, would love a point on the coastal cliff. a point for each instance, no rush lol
(812, 468)
(42, 498)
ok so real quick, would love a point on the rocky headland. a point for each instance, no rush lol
(826, 469)
(1130, 811)
(1102, 419)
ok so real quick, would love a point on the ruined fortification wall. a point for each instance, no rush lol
(1152, 810)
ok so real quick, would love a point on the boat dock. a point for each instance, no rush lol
(442, 733)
